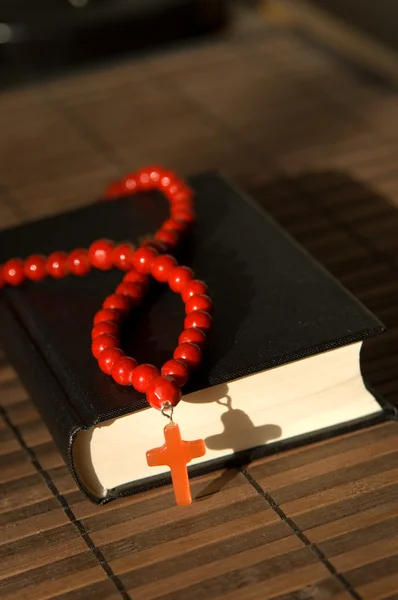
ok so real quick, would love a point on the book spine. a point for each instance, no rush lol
(42, 386)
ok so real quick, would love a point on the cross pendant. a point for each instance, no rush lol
(176, 454)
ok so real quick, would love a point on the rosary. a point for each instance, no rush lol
(161, 388)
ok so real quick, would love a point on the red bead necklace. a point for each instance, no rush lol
(161, 388)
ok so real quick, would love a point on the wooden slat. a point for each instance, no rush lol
(12, 392)
(249, 566)
(8, 443)
(34, 551)
(213, 543)
(8, 216)
(355, 520)
(383, 588)
(294, 582)
(72, 573)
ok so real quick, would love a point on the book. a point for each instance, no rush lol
(282, 363)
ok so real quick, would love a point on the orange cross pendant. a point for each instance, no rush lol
(176, 454)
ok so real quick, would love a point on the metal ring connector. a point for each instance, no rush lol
(167, 407)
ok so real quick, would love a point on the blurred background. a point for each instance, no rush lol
(287, 98)
(257, 89)
(45, 36)
(91, 88)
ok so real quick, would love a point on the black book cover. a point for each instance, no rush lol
(272, 304)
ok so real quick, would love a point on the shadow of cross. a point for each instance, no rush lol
(240, 433)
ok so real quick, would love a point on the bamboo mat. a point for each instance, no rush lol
(317, 145)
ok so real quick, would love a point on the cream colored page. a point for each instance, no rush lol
(291, 400)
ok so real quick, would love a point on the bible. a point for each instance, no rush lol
(282, 364)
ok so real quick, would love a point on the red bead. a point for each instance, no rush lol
(192, 336)
(57, 265)
(167, 179)
(185, 216)
(105, 327)
(173, 225)
(190, 354)
(155, 173)
(122, 255)
(143, 259)
(181, 201)
(134, 291)
(123, 369)
(1, 277)
(184, 187)
(179, 214)
(182, 198)
(175, 187)
(157, 245)
(177, 370)
(198, 320)
(13, 271)
(130, 183)
(162, 267)
(198, 302)
(192, 288)
(102, 342)
(182, 195)
(134, 276)
(106, 314)
(78, 262)
(100, 254)
(179, 278)
(170, 238)
(35, 267)
(107, 359)
(116, 302)
(114, 190)
(142, 377)
(144, 180)
(163, 391)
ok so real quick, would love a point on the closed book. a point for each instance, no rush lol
(282, 363)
